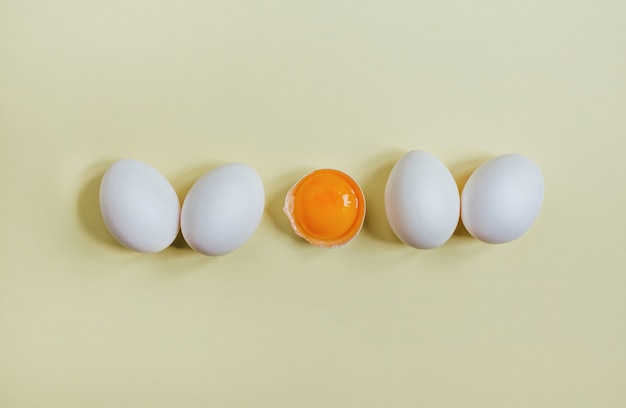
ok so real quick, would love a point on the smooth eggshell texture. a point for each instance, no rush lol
(502, 199)
(223, 209)
(139, 206)
(422, 200)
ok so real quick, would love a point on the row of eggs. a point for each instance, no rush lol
(499, 203)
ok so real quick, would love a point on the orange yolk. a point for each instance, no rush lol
(328, 207)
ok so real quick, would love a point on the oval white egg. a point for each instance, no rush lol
(502, 199)
(139, 206)
(223, 209)
(422, 200)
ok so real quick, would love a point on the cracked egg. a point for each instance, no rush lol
(326, 208)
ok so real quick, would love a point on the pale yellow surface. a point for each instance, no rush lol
(288, 87)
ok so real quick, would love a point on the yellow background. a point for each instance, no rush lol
(288, 87)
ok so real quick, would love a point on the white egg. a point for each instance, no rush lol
(139, 206)
(502, 199)
(422, 200)
(223, 209)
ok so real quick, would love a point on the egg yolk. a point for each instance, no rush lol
(328, 206)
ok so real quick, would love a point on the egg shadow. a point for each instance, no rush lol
(376, 223)
(462, 171)
(179, 242)
(276, 202)
(89, 214)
